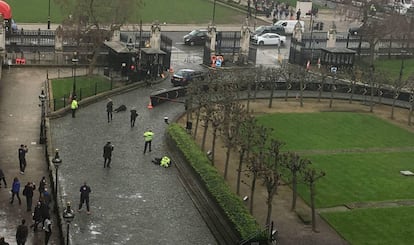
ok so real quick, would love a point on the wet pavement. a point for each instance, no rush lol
(135, 201)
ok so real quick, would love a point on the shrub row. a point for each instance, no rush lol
(231, 204)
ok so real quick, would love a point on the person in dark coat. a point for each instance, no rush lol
(37, 216)
(2, 177)
(42, 185)
(22, 157)
(15, 190)
(44, 212)
(134, 116)
(28, 193)
(107, 154)
(109, 109)
(3, 242)
(48, 230)
(84, 197)
(21, 233)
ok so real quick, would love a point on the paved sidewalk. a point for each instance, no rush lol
(19, 124)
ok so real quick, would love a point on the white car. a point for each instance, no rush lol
(269, 39)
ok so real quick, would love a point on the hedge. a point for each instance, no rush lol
(231, 204)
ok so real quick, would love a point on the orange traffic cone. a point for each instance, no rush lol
(150, 104)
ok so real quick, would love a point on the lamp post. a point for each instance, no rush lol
(42, 98)
(75, 61)
(56, 162)
(130, 46)
(214, 11)
(68, 216)
(48, 17)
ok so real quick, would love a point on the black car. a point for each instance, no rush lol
(184, 76)
(196, 37)
(278, 29)
(355, 31)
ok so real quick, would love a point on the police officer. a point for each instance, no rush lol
(109, 109)
(74, 106)
(107, 154)
(84, 197)
(165, 162)
(148, 135)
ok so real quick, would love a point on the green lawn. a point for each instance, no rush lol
(169, 11)
(85, 86)
(334, 130)
(375, 225)
(392, 67)
(361, 177)
(354, 177)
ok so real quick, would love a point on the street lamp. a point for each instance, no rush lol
(68, 216)
(48, 18)
(75, 61)
(42, 98)
(130, 46)
(56, 162)
(214, 11)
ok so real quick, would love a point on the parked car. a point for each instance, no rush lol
(269, 39)
(268, 29)
(184, 76)
(355, 31)
(196, 37)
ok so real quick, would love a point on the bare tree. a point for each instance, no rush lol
(257, 160)
(217, 118)
(92, 22)
(270, 174)
(295, 165)
(310, 176)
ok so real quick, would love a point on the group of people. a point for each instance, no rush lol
(41, 213)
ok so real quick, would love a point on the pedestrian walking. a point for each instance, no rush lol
(42, 186)
(46, 197)
(107, 154)
(74, 106)
(22, 157)
(28, 193)
(84, 197)
(48, 230)
(15, 190)
(109, 109)
(134, 116)
(21, 233)
(44, 212)
(2, 177)
(37, 216)
(298, 14)
(3, 242)
(148, 135)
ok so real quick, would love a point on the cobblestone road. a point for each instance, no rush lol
(135, 201)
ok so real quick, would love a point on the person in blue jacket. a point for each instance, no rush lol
(15, 190)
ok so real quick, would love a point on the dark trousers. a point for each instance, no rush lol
(147, 144)
(4, 181)
(22, 163)
(20, 241)
(18, 197)
(73, 112)
(84, 200)
(109, 116)
(29, 203)
(132, 121)
(107, 161)
(47, 237)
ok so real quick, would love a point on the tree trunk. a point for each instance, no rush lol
(239, 170)
(294, 190)
(197, 121)
(301, 93)
(203, 143)
(272, 91)
(252, 189)
(312, 197)
(410, 114)
(394, 100)
(269, 208)
(249, 89)
(226, 166)
(213, 147)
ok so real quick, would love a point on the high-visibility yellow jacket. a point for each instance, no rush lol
(74, 104)
(148, 135)
(165, 162)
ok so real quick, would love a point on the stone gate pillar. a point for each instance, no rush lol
(59, 38)
(331, 43)
(297, 32)
(212, 34)
(116, 35)
(244, 44)
(155, 39)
